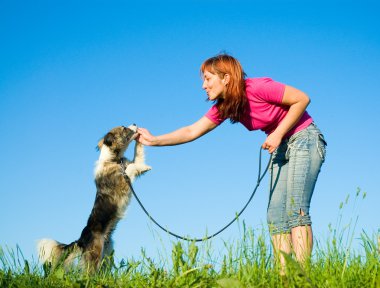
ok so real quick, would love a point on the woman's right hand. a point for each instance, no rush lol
(179, 136)
(145, 137)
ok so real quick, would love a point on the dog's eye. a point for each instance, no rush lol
(128, 133)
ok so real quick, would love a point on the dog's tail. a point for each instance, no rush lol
(51, 251)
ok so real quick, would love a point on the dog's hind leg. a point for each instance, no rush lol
(108, 247)
(108, 251)
(93, 254)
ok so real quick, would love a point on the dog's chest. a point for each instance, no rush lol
(110, 177)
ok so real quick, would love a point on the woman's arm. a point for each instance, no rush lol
(180, 136)
(298, 101)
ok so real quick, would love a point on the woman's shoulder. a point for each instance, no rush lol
(257, 83)
(258, 80)
(264, 88)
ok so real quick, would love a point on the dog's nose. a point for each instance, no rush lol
(133, 127)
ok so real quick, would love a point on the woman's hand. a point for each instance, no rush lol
(145, 137)
(272, 142)
(297, 102)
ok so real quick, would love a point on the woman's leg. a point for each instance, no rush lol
(306, 155)
(281, 244)
(276, 213)
(302, 242)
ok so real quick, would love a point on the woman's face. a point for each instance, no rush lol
(213, 85)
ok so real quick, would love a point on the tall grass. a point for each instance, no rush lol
(247, 262)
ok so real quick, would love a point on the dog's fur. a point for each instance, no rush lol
(112, 197)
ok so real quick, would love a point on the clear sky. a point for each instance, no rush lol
(72, 70)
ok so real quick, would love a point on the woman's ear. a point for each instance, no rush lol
(226, 79)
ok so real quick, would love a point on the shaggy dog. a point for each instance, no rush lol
(113, 176)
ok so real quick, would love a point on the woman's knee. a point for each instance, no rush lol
(299, 217)
(277, 223)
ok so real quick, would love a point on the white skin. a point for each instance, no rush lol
(301, 238)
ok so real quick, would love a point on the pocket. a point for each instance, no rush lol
(322, 138)
(321, 144)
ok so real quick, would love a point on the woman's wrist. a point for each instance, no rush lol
(155, 141)
(280, 133)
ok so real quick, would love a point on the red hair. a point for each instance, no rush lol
(233, 104)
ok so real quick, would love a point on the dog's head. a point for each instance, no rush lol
(118, 139)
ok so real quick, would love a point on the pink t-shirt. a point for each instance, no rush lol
(264, 110)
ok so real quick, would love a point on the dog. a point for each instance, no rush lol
(114, 175)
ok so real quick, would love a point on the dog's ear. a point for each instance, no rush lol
(100, 144)
(108, 139)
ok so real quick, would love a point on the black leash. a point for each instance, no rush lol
(259, 178)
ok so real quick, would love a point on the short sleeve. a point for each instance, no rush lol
(213, 115)
(270, 91)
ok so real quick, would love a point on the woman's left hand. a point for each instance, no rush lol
(272, 142)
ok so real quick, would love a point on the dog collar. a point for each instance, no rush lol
(123, 167)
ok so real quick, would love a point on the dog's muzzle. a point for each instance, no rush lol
(132, 127)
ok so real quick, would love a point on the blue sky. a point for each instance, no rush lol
(71, 71)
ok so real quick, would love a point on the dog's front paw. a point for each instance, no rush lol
(145, 168)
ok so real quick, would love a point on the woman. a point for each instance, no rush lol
(297, 145)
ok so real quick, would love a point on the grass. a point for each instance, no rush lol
(247, 262)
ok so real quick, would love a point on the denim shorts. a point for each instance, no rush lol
(294, 170)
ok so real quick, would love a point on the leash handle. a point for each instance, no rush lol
(259, 178)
